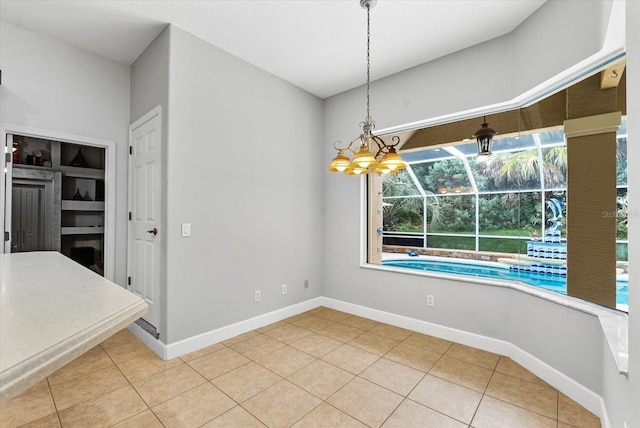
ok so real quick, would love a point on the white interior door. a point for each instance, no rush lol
(145, 235)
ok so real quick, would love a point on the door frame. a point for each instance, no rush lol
(109, 183)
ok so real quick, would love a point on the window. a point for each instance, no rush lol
(501, 213)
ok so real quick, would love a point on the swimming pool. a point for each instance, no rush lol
(554, 283)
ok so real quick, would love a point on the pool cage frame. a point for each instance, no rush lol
(477, 194)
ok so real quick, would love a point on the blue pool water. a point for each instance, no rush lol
(554, 283)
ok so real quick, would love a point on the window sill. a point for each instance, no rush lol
(614, 323)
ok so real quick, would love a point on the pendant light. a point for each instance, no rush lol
(484, 136)
(372, 153)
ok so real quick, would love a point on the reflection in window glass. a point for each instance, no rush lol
(621, 155)
(555, 167)
(507, 171)
(510, 214)
(451, 242)
(403, 214)
(443, 176)
(452, 214)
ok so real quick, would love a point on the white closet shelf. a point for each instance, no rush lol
(72, 205)
(72, 171)
(82, 230)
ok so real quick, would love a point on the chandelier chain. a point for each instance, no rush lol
(368, 118)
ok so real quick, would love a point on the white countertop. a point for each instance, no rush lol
(52, 310)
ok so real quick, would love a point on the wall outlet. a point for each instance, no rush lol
(306, 283)
(256, 296)
(284, 288)
(431, 301)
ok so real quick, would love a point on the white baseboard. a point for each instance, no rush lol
(576, 391)
(194, 343)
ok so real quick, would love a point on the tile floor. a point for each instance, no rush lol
(322, 368)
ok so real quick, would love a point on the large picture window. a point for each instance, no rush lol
(500, 214)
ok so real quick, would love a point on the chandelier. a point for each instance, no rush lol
(373, 154)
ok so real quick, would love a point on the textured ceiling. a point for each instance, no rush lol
(318, 45)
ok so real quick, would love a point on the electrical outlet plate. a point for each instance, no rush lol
(256, 296)
(284, 288)
(430, 300)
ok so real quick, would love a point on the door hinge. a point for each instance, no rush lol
(9, 157)
(6, 236)
(128, 280)
(130, 150)
(129, 215)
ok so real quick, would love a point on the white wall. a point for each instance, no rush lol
(149, 89)
(557, 36)
(242, 168)
(52, 86)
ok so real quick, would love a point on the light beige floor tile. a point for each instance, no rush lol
(90, 361)
(50, 421)
(374, 343)
(485, 359)
(218, 363)
(281, 405)
(465, 374)
(288, 333)
(128, 351)
(27, 407)
(316, 344)
(414, 415)
(433, 344)
(351, 359)
(240, 338)
(563, 425)
(271, 326)
(332, 314)
(328, 416)
(507, 366)
(366, 401)
(146, 366)
(298, 317)
(119, 338)
(314, 323)
(194, 407)
(168, 384)
(413, 356)
(77, 390)
(359, 322)
(201, 352)
(246, 381)
(286, 360)
(41, 384)
(449, 398)
(493, 413)
(340, 332)
(522, 393)
(394, 376)
(105, 410)
(574, 414)
(321, 379)
(235, 418)
(257, 346)
(145, 419)
(391, 331)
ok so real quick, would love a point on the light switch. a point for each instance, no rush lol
(186, 229)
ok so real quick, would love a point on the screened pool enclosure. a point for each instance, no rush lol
(449, 198)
